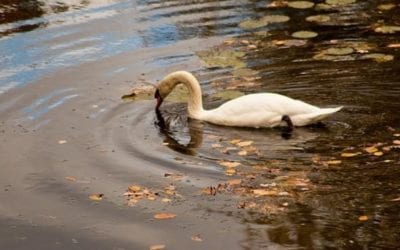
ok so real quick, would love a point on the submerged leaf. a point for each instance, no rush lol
(378, 57)
(301, 4)
(319, 18)
(340, 2)
(304, 34)
(387, 29)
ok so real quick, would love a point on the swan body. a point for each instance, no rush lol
(253, 110)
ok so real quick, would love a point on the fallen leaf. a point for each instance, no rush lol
(166, 200)
(70, 178)
(387, 6)
(277, 4)
(233, 182)
(157, 247)
(340, 2)
(163, 216)
(371, 149)
(252, 46)
(397, 142)
(301, 4)
(96, 197)
(395, 199)
(262, 192)
(196, 237)
(229, 164)
(62, 141)
(363, 218)
(387, 29)
(235, 141)
(230, 171)
(396, 135)
(394, 45)
(348, 155)
(334, 162)
(216, 145)
(244, 143)
(242, 153)
(378, 153)
(134, 188)
(304, 34)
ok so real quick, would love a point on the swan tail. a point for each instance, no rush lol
(306, 119)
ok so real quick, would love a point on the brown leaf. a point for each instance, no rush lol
(394, 45)
(233, 182)
(62, 141)
(379, 153)
(244, 143)
(134, 188)
(397, 142)
(348, 154)
(371, 149)
(334, 162)
(242, 153)
(163, 216)
(96, 197)
(262, 192)
(70, 178)
(196, 237)
(235, 141)
(229, 164)
(157, 247)
(363, 218)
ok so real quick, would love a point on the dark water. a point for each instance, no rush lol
(40, 38)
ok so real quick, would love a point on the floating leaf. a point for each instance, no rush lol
(340, 2)
(301, 4)
(230, 171)
(228, 94)
(338, 51)
(196, 237)
(229, 164)
(363, 218)
(244, 143)
(134, 188)
(62, 141)
(348, 155)
(387, 6)
(378, 153)
(233, 182)
(253, 24)
(395, 199)
(397, 142)
(319, 18)
(70, 178)
(304, 34)
(163, 216)
(334, 162)
(323, 6)
(96, 197)
(378, 57)
(242, 153)
(222, 58)
(275, 18)
(387, 29)
(262, 192)
(371, 149)
(277, 4)
(157, 247)
(394, 45)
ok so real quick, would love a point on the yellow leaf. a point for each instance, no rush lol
(157, 247)
(363, 218)
(379, 153)
(334, 162)
(162, 216)
(347, 154)
(70, 178)
(242, 153)
(371, 149)
(134, 188)
(196, 237)
(96, 197)
(264, 192)
(166, 200)
(229, 164)
(235, 141)
(244, 143)
(230, 171)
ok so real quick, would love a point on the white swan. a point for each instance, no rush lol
(253, 110)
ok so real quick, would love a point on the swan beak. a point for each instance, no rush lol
(159, 99)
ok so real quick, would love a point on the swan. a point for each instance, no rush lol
(254, 110)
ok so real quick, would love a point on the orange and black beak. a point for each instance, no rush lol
(159, 99)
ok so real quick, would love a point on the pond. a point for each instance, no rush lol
(67, 134)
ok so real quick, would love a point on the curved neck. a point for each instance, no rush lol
(195, 103)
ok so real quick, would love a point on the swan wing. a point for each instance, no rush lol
(265, 110)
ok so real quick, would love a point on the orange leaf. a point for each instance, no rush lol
(196, 237)
(96, 197)
(229, 164)
(157, 247)
(363, 218)
(371, 149)
(347, 154)
(234, 182)
(397, 142)
(264, 192)
(70, 178)
(334, 162)
(162, 216)
(134, 188)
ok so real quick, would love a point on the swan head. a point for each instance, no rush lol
(164, 88)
